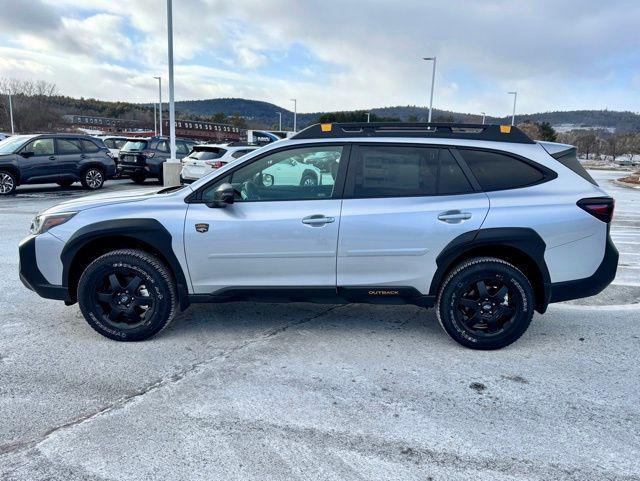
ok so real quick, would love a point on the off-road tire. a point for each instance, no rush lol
(156, 279)
(520, 298)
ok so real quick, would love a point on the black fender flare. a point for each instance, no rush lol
(147, 231)
(523, 239)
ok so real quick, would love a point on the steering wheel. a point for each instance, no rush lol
(249, 191)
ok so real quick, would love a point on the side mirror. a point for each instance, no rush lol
(223, 196)
(27, 154)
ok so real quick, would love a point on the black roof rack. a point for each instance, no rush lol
(493, 133)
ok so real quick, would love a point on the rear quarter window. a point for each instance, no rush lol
(570, 160)
(89, 147)
(498, 171)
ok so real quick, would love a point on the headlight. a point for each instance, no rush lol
(43, 222)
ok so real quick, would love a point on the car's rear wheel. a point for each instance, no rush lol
(138, 178)
(65, 183)
(92, 178)
(485, 303)
(7, 183)
(127, 295)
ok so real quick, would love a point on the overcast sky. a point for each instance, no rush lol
(335, 55)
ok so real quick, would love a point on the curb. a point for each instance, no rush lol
(626, 184)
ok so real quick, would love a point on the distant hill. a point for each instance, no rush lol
(266, 115)
(260, 114)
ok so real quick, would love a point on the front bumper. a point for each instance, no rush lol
(592, 285)
(31, 276)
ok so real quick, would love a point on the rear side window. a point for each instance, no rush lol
(89, 147)
(68, 146)
(405, 171)
(182, 148)
(496, 171)
(570, 160)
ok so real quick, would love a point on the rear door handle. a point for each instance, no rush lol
(318, 220)
(53, 157)
(82, 156)
(454, 216)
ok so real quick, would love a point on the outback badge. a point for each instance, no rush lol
(202, 228)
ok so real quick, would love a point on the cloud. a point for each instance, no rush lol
(334, 54)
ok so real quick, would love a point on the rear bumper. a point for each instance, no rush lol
(592, 285)
(31, 276)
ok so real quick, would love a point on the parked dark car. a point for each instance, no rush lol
(143, 158)
(54, 158)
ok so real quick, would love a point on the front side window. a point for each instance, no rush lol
(281, 176)
(496, 171)
(68, 146)
(405, 171)
(40, 147)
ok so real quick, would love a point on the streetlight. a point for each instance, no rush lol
(433, 80)
(295, 114)
(483, 116)
(159, 79)
(11, 114)
(279, 121)
(155, 119)
(171, 168)
(368, 117)
(513, 116)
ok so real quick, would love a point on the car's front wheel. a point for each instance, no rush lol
(93, 179)
(127, 295)
(309, 180)
(485, 303)
(7, 183)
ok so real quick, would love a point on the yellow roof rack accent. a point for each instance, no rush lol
(505, 129)
(326, 127)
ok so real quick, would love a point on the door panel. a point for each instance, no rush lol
(262, 244)
(68, 156)
(395, 241)
(41, 166)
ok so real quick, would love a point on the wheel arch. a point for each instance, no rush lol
(93, 240)
(522, 247)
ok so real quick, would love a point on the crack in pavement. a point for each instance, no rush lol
(194, 368)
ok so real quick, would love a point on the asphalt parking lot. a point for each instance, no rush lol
(301, 391)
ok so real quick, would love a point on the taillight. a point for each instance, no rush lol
(599, 207)
(148, 153)
(215, 164)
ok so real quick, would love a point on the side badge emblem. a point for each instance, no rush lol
(202, 227)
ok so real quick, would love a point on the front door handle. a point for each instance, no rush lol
(318, 220)
(53, 157)
(454, 216)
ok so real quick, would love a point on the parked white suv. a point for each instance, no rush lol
(476, 220)
(205, 158)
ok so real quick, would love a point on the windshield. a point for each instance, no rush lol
(135, 145)
(12, 144)
(208, 154)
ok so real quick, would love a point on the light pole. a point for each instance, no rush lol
(11, 114)
(155, 119)
(295, 114)
(483, 117)
(172, 166)
(513, 115)
(368, 117)
(433, 81)
(279, 121)
(159, 79)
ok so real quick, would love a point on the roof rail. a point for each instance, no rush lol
(493, 133)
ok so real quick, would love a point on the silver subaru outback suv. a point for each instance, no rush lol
(478, 221)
